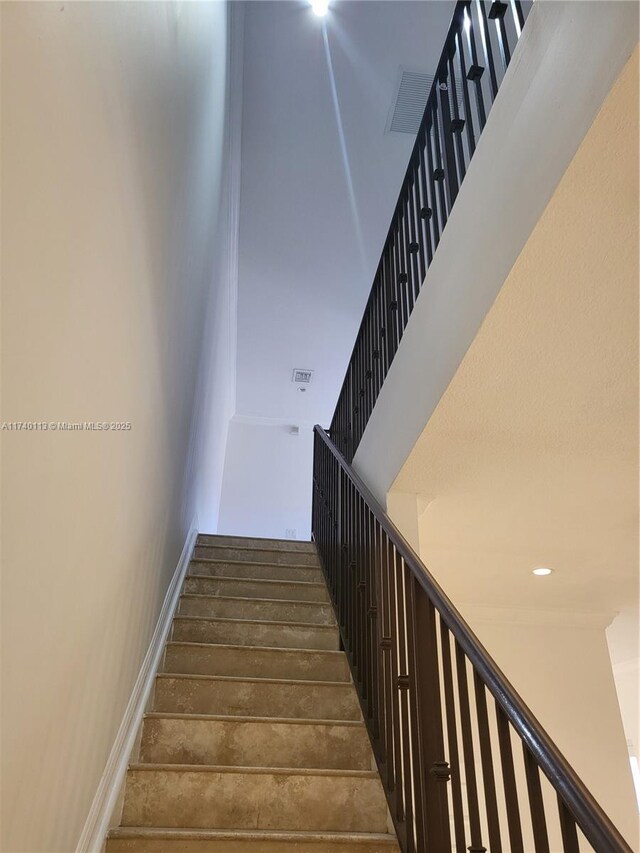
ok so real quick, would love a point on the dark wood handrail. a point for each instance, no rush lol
(587, 813)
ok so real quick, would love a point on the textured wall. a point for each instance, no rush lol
(113, 139)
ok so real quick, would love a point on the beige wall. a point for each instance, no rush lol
(113, 134)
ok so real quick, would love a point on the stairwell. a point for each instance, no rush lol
(255, 739)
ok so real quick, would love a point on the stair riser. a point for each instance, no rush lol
(254, 744)
(261, 544)
(237, 800)
(250, 662)
(254, 634)
(192, 845)
(250, 698)
(256, 589)
(276, 611)
(255, 571)
(254, 555)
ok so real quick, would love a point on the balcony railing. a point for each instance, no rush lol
(464, 763)
(476, 55)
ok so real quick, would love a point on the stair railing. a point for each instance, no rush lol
(452, 777)
(476, 54)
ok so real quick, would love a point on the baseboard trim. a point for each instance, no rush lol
(97, 823)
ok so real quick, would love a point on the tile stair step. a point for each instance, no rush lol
(296, 635)
(252, 588)
(265, 697)
(254, 741)
(256, 543)
(239, 607)
(127, 839)
(255, 662)
(214, 797)
(258, 555)
(257, 570)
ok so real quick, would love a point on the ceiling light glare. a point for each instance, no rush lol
(319, 7)
(467, 22)
(541, 571)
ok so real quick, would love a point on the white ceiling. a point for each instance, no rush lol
(308, 248)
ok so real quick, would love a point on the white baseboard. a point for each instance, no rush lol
(97, 823)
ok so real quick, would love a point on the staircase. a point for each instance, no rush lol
(255, 741)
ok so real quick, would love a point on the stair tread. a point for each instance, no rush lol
(249, 598)
(262, 547)
(259, 539)
(253, 771)
(247, 834)
(228, 562)
(251, 678)
(226, 718)
(267, 581)
(242, 648)
(254, 621)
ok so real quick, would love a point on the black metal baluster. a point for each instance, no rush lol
(486, 758)
(452, 739)
(518, 16)
(451, 173)
(467, 749)
(464, 82)
(414, 697)
(432, 187)
(486, 46)
(435, 770)
(415, 247)
(570, 842)
(396, 703)
(457, 123)
(377, 604)
(439, 172)
(368, 604)
(403, 686)
(476, 71)
(509, 782)
(536, 804)
(425, 211)
(396, 302)
(405, 275)
(385, 651)
(496, 13)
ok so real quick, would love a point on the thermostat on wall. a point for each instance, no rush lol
(302, 377)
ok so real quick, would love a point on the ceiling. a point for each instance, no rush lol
(531, 457)
(320, 178)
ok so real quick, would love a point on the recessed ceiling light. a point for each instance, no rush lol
(320, 7)
(541, 571)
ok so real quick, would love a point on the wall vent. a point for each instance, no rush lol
(302, 377)
(410, 100)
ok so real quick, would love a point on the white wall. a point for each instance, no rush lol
(267, 453)
(113, 153)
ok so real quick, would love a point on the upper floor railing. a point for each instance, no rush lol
(476, 55)
(464, 763)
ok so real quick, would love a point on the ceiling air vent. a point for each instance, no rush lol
(302, 377)
(410, 100)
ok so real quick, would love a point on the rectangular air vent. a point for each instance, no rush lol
(410, 100)
(302, 377)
